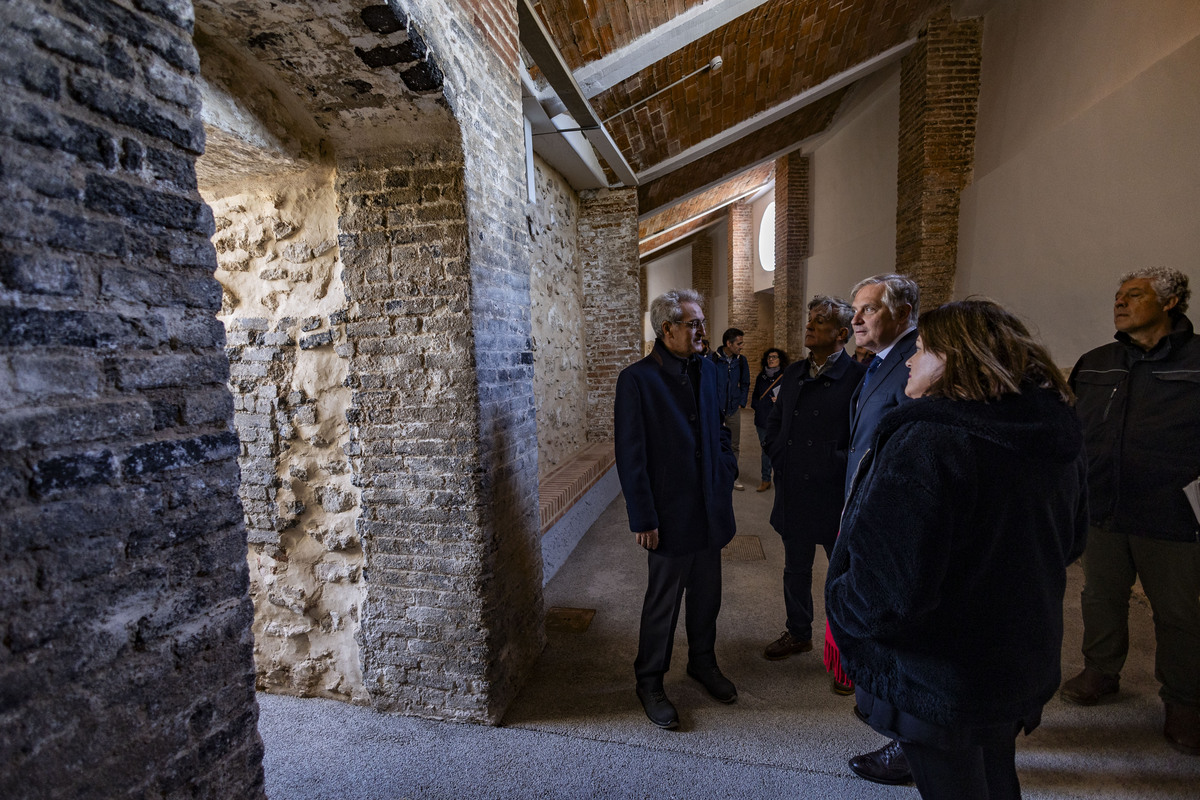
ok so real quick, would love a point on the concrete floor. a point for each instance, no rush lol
(577, 730)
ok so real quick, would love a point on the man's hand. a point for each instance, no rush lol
(648, 539)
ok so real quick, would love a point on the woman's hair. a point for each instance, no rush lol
(988, 353)
(783, 359)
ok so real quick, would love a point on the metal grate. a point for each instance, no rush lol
(743, 548)
(569, 620)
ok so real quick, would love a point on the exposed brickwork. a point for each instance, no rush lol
(725, 192)
(939, 94)
(485, 97)
(612, 298)
(702, 269)
(748, 151)
(771, 54)
(743, 304)
(793, 246)
(126, 660)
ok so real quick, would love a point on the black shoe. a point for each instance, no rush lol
(720, 687)
(885, 765)
(785, 646)
(658, 707)
(861, 716)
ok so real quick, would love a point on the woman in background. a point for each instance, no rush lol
(945, 588)
(762, 400)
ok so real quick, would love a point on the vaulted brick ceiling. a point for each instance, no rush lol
(779, 58)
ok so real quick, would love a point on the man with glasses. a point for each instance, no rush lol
(677, 469)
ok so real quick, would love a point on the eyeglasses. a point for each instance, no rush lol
(694, 324)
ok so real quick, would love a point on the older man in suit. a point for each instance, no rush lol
(885, 321)
(807, 435)
(677, 469)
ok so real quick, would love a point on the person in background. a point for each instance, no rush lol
(762, 400)
(806, 437)
(945, 588)
(1139, 399)
(676, 469)
(733, 384)
(862, 355)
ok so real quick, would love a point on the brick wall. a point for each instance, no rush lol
(498, 576)
(613, 293)
(793, 246)
(127, 650)
(939, 95)
(743, 304)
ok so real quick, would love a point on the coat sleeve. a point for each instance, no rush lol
(743, 381)
(629, 434)
(897, 536)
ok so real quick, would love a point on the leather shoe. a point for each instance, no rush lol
(885, 765)
(1086, 688)
(785, 646)
(720, 687)
(658, 708)
(762, 487)
(1182, 728)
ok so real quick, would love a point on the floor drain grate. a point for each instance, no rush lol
(743, 548)
(569, 620)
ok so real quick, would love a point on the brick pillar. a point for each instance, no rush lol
(612, 291)
(127, 660)
(743, 305)
(793, 246)
(939, 94)
(702, 270)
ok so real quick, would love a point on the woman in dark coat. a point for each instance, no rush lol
(762, 400)
(945, 588)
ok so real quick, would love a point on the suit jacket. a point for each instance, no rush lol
(885, 392)
(674, 458)
(807, 436)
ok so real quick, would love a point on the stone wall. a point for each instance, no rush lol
(126, 650)
(556, 288)
(285, 310)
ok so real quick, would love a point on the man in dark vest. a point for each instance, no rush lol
(677, 470)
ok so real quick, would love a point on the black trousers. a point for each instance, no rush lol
(981, 772)
(798, 556)
(670, 577)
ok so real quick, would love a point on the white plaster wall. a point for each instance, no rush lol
(556, 293)
(854, 190)
(1086, 159)
(672, 271)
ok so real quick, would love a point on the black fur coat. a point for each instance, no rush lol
(945, 587)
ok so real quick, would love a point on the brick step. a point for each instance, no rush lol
(568, 482)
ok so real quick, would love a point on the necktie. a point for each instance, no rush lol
(872, 368)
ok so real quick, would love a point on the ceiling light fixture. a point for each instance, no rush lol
(714, 65)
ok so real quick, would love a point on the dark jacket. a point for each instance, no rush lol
(733, 380)
(807, 435)
(674, 459)
(882, 394)
(760, 398)
(945, 587)
(1141, 422)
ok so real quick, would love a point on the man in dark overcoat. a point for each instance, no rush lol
(807, 435)
(677, 470)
